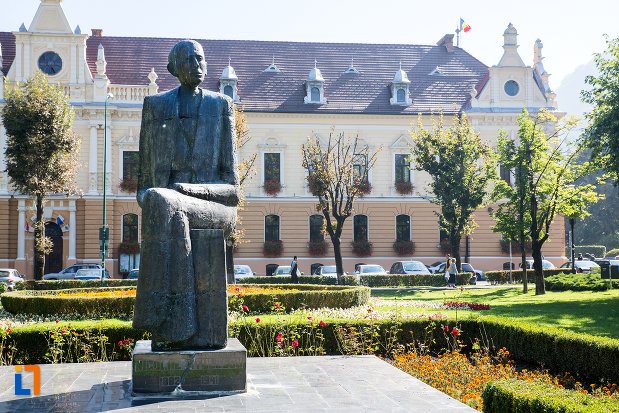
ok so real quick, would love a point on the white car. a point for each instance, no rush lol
(242, 271)
(370, 269)
(10, 277)
(327, 270)
(546, 265)
(582, 266)
(70, 273)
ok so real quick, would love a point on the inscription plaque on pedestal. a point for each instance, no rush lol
(216, 371)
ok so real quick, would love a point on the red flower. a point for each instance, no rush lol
(9, 331)
(295, 343)
(277, 306)
(310, 318)
(126, 341)
(322, 324)
(120, 343)
(237, 289)
(455, 332)
(279, 337)
(57, 321)
(257, 319)
(245, 308)
(64, 330)
(446, 327)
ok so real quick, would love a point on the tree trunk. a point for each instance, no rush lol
(454, 240)
(337, 252)
(39, 234)
(540, 285)
(523, 264)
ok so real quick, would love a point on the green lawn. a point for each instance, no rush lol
(586, 312)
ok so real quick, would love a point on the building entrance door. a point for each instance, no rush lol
(53, 261)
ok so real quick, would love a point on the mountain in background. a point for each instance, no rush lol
(568, 93)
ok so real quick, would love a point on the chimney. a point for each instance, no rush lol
(447, 41)
(97, 32)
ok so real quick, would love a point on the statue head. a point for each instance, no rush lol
(186, 62)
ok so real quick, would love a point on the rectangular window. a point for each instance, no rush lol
(360, 166)
(506, 174)
(272, 167)
(130, 165)
(402, 168)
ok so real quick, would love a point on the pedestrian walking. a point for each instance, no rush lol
(294, 270)
(453, 272)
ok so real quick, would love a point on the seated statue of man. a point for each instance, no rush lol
(188, 180)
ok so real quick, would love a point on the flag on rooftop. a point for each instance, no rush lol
(464, 26)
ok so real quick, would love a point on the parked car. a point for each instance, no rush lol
(409, 267)
(547, 265)
(242, 271)
(582, 266)
(433, 268)
(327, 270)
(133, 274)
(69, 273)
(283, 270)
(370, 269)
(90, 274)
(466, 267)
(10, 277)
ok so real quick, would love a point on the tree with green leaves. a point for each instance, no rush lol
(545, 174)
(602, 133)
(42, 150)
(337, 174)
(461, 166)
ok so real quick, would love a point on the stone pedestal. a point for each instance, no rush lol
(207, 371)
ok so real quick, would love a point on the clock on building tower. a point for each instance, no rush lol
(50, 63)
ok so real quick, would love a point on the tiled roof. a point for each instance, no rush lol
(130, 59)
(7, 40)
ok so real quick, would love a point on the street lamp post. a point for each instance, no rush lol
(572, 246)
(104, 231)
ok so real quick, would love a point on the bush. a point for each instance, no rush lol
(67, 284)
(272, 187)
(405, 280)
(502, 276)
(291, 297)
(404, 187)
(362, 248)
(51, 303)
(578, 282)
(273, 248)
(613, 252)
(318, 248)
(597, 250)
(539, 397)
(287, 279)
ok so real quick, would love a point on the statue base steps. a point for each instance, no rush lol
(189, 372)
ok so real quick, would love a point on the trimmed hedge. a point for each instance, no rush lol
(502, 276)
(66, 284)
(519, 396)
(51, 303)
(368, 280)
(579, 282)
(587, 356)
(287, 279)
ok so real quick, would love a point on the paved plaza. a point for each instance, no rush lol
(286, 384)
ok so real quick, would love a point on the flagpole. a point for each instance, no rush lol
(458, 37)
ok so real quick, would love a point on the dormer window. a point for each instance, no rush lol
(314, 87)
(228, 83)
(272, 67)
(437, 72)
(400, 94)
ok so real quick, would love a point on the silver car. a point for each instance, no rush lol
(70, 273)
(409, 267)
(327, 270)
(10, 277)
(370, 269)
(242, 271)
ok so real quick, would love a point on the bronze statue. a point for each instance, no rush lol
(188, 181)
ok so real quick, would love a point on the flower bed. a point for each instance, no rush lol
(119, 301)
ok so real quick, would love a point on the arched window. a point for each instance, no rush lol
(360, 228)
(130, 228)
(315, 94)
(315, 228)
(401, 96)
(403, 228)
(228, 91)
(271, 228)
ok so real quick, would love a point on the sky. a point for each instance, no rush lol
(571, 32)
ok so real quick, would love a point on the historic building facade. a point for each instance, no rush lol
(289, 91)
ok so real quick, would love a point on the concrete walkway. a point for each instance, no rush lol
(286, 384)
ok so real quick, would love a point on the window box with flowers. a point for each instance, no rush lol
(273, 249)
(272, 187)
(318, 248)
(404, 248)
(362, 248)
(364, 187)
(129, 247)
(404, 187)
(528, 246)
(128, 185)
